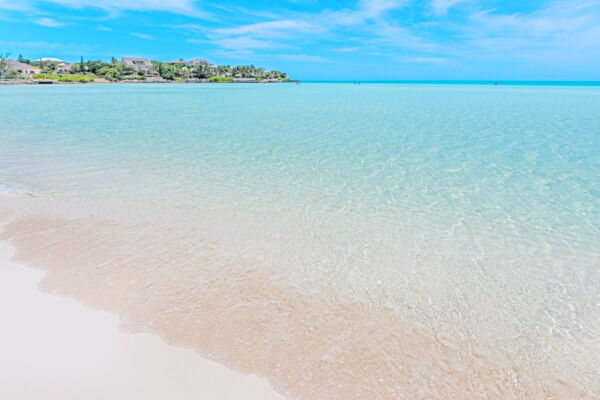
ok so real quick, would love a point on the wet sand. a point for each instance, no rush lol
(54, 347)
(315, 345)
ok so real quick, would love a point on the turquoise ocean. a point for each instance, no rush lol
(381, 240)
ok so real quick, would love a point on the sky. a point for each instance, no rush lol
(322, 40)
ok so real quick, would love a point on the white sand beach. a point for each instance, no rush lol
(52, 347)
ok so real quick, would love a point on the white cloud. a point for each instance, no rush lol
(374, 8)
(13, 5)
(346, 49)
(561, 36)
(197, 41)
(365, 11)
(262, 35)
(562, 25)
(394, 36)
(103, 28)
(555, 32)
(304, 58)
(244, 43)
(273, 33)
(560, 18)
(188, 27)
(48, 49)
(186, 7)
(441, 7)
(48, 22)
(423, 60)
(143, 36)
(270, 28)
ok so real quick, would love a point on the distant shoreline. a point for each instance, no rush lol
(29, 82)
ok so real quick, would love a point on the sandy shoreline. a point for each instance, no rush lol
(54, 347)
(314, 345)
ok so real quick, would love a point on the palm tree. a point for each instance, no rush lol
(3, 63)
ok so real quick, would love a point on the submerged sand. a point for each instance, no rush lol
(310, 344)
(54, 347)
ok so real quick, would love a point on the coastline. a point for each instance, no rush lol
(54, 347)
(34, 83)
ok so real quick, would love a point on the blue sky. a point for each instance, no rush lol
(312, 39)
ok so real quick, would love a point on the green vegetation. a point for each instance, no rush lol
(8, 74)
(77, 78)
(23, 60)
(46, 76)
(4, 66)
(204, 71)
(114, 71)
(66, 78)
(179, 71)
(182, 71)
(220, 79)
(247, 71)
(46, 67)
(170, 71)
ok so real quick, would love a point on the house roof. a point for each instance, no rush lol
(197, 61)
(19, 66)
(137, 61)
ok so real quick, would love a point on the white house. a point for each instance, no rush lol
(199, 61)
(139, 64)
(24, 70)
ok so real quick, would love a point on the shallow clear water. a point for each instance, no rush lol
(473, 210)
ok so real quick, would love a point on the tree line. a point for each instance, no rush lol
(116, 71)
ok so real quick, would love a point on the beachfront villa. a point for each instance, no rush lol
(63, 68)
(194, 62)
(199, 61)
(139, 64)
(25, 70)
(57, 65)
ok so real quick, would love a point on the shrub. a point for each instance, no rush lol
(220, 79)
(76, 78)
(12, 74)
(46, 76)
(66, 78)
(110, 73)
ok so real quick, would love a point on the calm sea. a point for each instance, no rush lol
(379, 240)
